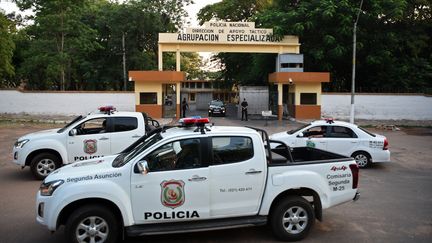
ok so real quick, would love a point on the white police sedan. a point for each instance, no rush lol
(339, 137)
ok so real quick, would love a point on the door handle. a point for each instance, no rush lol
(353, 142)
(103, 138)
(252, 172)
(136, 136)
(197, 178)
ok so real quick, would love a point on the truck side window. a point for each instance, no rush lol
(92, 126)
(122, 124)
(341, 132)
(231, 149)
(182, 154)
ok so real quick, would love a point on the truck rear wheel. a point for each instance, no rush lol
(292, 219)
(92, 223)
(43, 164)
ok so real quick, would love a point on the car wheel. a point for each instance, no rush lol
(292, 219)
(43, 164)
(362, 159)
(92, 223)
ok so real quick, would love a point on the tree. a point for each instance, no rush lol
(325, 29)
(7, 47)
(59, 39)
(394, 36)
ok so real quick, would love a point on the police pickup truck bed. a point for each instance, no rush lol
(96, 135)
(196, 178)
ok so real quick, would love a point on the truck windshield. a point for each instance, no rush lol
(70, 123)
(125, 157)
(216, 103)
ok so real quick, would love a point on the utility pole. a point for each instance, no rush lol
(354, 64)
(124, 63)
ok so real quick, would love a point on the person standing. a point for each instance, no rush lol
(184, 107)
(244, 106)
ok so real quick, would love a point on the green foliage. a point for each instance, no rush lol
(394, 50)
(7, 47)
(77, 44)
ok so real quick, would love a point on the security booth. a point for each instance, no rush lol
(158, 92)
(302, 92)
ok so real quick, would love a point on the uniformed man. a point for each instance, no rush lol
(244, 106)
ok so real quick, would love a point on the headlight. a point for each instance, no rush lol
(48, 188)
(20, 144)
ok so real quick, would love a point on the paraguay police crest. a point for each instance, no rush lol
(90, 146)
(172, 193)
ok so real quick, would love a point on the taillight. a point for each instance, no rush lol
(386, 144)
(355, 173)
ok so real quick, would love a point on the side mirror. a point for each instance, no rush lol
(73, 132)
(143, 167)
(300, 135)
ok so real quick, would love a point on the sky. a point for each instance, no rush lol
(193, 10)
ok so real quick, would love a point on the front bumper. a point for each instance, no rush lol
(19, 156)
(44, 212)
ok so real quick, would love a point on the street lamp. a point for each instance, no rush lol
(354, 64)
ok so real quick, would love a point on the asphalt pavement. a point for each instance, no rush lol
(395, 203)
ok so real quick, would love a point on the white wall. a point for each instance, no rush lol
(377, 106)
(367, 106)
(63, 103)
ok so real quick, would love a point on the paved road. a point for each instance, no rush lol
(395, 203)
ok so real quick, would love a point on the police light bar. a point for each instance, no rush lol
(197, 120)
(107, 108)
(329, 120)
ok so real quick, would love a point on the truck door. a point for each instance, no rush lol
(176, 188)
(237, 176)
(125, 131)
(91, 141)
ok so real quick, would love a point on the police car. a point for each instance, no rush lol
(98, 134)
(216, 107)
(339, 137)
(195, 177)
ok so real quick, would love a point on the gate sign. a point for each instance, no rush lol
(172, 193)
(226, 32)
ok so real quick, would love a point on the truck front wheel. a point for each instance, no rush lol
(43, 164)
(92, 224)
(292, 219)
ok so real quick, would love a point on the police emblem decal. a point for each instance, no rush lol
(90, 146)
(172, 193)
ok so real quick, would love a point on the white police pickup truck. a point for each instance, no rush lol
(195, 178)
(96, 135)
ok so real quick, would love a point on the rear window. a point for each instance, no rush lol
(231, 149)
(366, 131)
(122, 124)
(341, 132)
